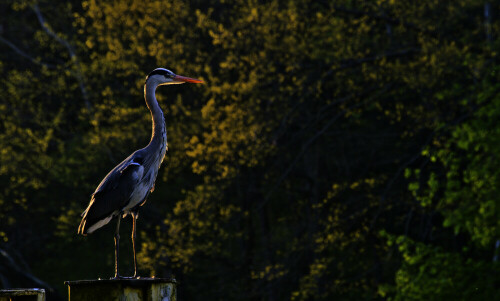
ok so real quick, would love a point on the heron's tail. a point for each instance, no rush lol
(89, 223)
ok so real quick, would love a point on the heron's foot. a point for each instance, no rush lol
(127, 277)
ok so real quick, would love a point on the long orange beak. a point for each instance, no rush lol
(184, 79)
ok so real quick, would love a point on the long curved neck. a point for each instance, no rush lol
(159, 129)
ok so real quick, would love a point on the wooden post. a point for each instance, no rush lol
(26, 294)
(142, 289)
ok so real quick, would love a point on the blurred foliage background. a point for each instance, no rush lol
(339, 150)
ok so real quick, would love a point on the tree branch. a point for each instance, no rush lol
(74, 59)
(24, 54)
(10, 263)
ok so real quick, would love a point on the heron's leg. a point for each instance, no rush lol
(117, 245)
(134, 222)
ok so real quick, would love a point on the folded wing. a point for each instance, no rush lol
(111, 195)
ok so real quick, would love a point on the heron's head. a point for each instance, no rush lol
(162, 76)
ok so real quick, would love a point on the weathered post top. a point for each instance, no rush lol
(144, 289)
(26, 294)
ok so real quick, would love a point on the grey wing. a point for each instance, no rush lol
(112, 194)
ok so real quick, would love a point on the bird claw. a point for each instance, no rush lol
(124, 277)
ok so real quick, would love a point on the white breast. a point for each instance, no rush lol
(141, 190)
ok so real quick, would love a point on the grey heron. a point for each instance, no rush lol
(127, 186)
